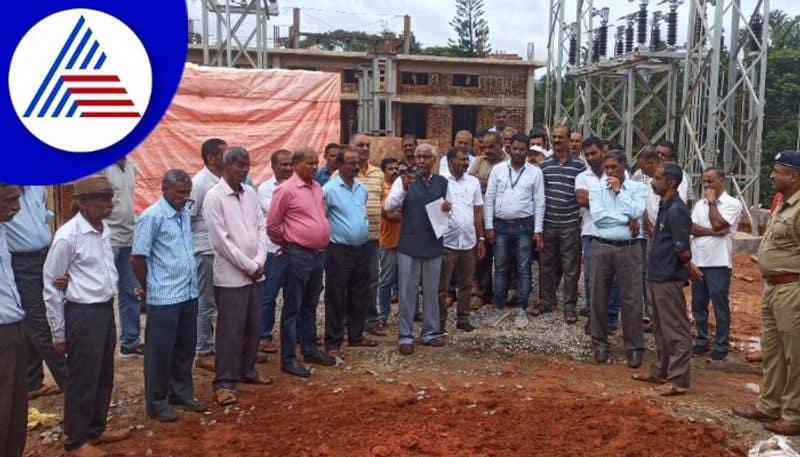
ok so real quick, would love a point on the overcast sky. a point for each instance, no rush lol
(512, 23)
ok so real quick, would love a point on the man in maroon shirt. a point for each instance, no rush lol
(299, 225)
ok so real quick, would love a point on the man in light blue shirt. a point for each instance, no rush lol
(617, 205)
(347, 256)
(13, 360)
(28, 240)
(163, 261)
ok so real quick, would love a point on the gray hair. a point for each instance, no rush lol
(425, 146)
(233, 154)
(175, 176)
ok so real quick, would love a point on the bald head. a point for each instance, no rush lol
(463, 140)
(424, 156)
(305, 161)
(361, 144)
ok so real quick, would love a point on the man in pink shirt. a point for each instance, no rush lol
(298, 223)
(236, 229)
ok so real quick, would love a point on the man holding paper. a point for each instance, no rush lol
(419, 257)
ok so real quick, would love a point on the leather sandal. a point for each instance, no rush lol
(670, 390)
(225, 397)
(46, 390)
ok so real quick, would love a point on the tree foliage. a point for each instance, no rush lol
(471, 29)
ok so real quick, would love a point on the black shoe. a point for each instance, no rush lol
(612, 328)
(699, 349)
(193, 406)
(417, 317)
(406, 348)
(296, 368)
(136, 351)
(465, 326)
(635, 357)
(584, 312)
(166, 415)
(320, 359)
(717, 356)
(441, 331)
(601, 355)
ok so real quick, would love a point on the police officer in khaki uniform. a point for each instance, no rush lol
(779, 259)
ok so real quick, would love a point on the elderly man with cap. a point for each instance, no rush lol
(163, 262)
(13, 347)
(82, 317)
(238, 233)
(779, 260)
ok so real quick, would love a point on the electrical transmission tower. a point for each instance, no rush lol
(706, 95)
(229, 50)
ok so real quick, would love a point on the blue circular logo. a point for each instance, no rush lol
(87, 82)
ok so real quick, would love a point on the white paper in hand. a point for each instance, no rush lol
(439, 219)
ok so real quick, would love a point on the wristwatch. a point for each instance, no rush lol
(482, 239)
(714, 203)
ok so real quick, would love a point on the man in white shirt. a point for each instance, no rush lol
(121, 223)
(500, 116)
(82, 318)
(513, 221)
(282, 170)
(464, 233)
(462, 140)
(715, 219)
(211, 151)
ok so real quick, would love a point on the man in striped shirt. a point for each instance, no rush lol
(560, 256)
(163, 261)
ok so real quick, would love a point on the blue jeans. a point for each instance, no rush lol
(129, 307)
(387, 280)
(517, 240)
(301, 288)
(614, 305)
(274, 270)
(714, 287)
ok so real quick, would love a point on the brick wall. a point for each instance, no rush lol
(440, 126)
(516, 117)
(505, 85)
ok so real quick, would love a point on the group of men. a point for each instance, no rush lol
(466, 233)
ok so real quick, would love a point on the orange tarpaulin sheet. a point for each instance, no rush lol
(260, 110)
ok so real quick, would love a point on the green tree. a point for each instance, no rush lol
(471, 29)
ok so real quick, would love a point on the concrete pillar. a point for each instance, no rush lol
(406, 34)
(295, 28)
(529, 99)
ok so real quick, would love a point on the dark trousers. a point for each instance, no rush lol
(91, 336)
(273, 269)
(483, 274)
(626, 263)
(238, 322)
(713, 287)
(613, 301)
(560, 256)
(171, 335)
(346, 294)
(458, 265)
(13, 390)
(28, 275)
(671, 332)
(301, 289)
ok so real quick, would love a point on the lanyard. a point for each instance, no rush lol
(514, 182)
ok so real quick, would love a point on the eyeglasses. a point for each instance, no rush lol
(425, 157)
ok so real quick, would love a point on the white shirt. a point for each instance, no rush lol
(585, 181)
(122, 220)
(444, 168)
(202, 182)
(653, 200)
(715, 251)
(507, 200)
(464, 195)
(86, 255)
(265, 191)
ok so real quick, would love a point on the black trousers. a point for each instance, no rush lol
(13, 390)
(28, 275)
(238, 326)
(560, 256)
(484, 274)
(171, 335)
(91, 338)
(346, 292)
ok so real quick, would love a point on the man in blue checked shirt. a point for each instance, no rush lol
(163, 261)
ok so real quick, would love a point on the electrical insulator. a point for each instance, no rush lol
(595, 51)
(629, 38)
(655, 37)
(699, 30)
(672, 27)
(602, 39)
(641, 24)
(620, 44)
(757, 28)
(573, 49)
